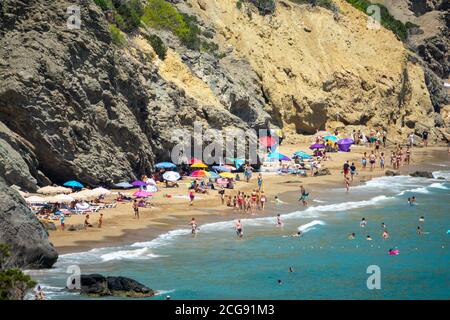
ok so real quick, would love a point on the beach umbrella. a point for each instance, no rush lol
(222, 181)
(123, 185)
(214, 175)
(142, 194)
(61, 198)
(82, 195)
(165, 165)
(199, 174)
(226, 175)
(199, 165)
(53, 190)
(138, 183)
(302, 154)
(195, 160)
(100, 191)
(316, 146)
(268, 141)
(345, 144)
(35, 199)
(332, 138)
(278, 156)
(171, 176)
(222, 168)
(73, 184)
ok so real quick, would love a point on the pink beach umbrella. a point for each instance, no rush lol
(142, 194)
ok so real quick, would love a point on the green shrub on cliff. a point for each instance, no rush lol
(160, 14)
(104, 4)
(13, 282)
(117, 37)
(131, 12)
(157, 45)
(387, 20)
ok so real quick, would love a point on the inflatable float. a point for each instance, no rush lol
(394, 252)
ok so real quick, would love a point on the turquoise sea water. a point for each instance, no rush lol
(217, 265)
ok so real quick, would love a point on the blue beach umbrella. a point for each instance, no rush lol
(332, 138)
(279, 156)
(73, 184)
(214, 175)
(165, 165)
(302, 154)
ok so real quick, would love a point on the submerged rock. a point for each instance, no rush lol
(422, 174)
(99, 285)
(22, 232)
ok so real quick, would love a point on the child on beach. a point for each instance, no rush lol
(193, 224)
(62, 221)
(100, 220)
(191, 198)
(364, 160)
(136, 209)
(260, 182)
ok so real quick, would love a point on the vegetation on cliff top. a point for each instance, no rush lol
(387, 20)
(13, 282)
(129, 15)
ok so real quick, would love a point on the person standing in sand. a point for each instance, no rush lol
(347, 183)
(191, 198)
(352, 170)
(100, 220)
(62, 221)
(136, 209)
(364, 161)
(260, 182)
(372, 159)
(263, 200)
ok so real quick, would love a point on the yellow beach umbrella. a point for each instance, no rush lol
(199, 165)
(227, 175)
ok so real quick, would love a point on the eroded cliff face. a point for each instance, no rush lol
(72, 105)
(324, 70)
(75, 106)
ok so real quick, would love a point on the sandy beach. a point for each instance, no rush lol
(120, 226)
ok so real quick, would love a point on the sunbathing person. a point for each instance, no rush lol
(86, 222)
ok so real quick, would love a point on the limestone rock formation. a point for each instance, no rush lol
(73, 105)
(25, 236)
(98, 285)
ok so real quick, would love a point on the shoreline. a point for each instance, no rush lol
(176, 215)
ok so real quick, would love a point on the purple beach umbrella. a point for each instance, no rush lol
(138, 183)
(316, 146)
(345, 144)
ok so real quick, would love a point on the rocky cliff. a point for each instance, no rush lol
(74, 105)
(22, 232)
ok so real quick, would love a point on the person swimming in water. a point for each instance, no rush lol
(238, 227)
(369, 238)
(291, 269)
(298, 234)
(363, 223)
(422, 219)
(419, 231)
(279, 221)
(383, 226)
(194, 228)
(385, 234)
(352, 236)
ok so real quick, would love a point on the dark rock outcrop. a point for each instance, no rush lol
(422, 174)
(98, 285)
(75, 227)
(391, 173)
(23, 233)
(83, 109)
